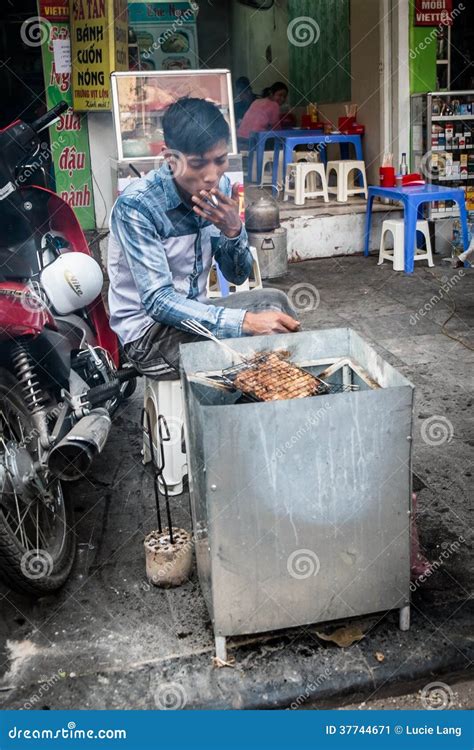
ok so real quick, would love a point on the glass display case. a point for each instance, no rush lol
(140, 99)
(442, 144)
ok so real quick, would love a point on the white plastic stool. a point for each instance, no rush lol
(253, 282)
(165, 397)
(397, 255)
(345, 169)
(266, 174)
(305, 173)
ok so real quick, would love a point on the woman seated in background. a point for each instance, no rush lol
(263, 114)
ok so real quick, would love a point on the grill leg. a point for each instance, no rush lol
(221, 647)
(404, 621)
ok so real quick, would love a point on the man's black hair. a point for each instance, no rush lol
(194, 126)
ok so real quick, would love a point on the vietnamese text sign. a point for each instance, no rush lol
(99, 30)
(69, 137)
(433, 12)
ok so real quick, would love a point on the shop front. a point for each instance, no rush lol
(356, 67)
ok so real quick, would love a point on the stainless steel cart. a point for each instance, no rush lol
(301, 508)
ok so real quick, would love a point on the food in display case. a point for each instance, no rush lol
(140, 100)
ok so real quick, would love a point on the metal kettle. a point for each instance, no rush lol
(262, 215)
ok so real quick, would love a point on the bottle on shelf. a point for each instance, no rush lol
(404, 165)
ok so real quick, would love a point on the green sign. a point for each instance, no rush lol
(69, 137)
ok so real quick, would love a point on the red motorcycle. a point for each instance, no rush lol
(60, 374)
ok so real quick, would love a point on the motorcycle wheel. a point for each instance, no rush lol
(37, 539)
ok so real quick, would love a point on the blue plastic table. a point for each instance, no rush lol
(258, 140)
(413, 199)
(309, 137)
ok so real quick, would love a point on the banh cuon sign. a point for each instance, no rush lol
(99, 34)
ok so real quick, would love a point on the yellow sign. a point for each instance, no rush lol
(99, 36)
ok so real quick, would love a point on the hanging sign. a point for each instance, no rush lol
(69, 138)
(433, 12)
(153, 12)
(99, 32)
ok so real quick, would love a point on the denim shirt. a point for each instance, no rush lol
(159, 257)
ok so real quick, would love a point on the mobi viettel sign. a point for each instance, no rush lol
(433, 12)
(99, 35)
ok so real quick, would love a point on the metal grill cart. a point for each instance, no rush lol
(301, 508)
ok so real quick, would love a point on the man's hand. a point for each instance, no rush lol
(259, 324)
(220, 209)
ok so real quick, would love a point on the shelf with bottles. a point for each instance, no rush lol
(458, 105)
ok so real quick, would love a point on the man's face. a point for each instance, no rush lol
(202, 171)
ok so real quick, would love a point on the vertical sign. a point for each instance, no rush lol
(69, 137)
(99, 31)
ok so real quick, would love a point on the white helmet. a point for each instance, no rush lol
(72, 281)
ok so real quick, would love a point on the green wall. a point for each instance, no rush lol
(422, 56)
(319, 69)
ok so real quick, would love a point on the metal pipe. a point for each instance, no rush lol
(70, 459)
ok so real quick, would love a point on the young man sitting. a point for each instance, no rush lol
(164, 231)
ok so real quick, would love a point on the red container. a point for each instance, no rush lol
(346, 123)
(387, 177)
(412, 179)
(307, 122)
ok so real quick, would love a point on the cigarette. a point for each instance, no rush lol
(214, 200)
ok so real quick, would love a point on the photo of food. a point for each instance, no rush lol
(142, 99)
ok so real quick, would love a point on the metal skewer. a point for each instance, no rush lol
(200, 330)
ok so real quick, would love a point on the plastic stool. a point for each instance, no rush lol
(344, 169)
(305, 172)
(220, 287)
(165, 397)
(397, 255)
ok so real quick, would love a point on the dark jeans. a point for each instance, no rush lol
(156, 353)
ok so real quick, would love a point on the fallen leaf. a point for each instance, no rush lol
(343, 637)
(219, 663)
(379, 656)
